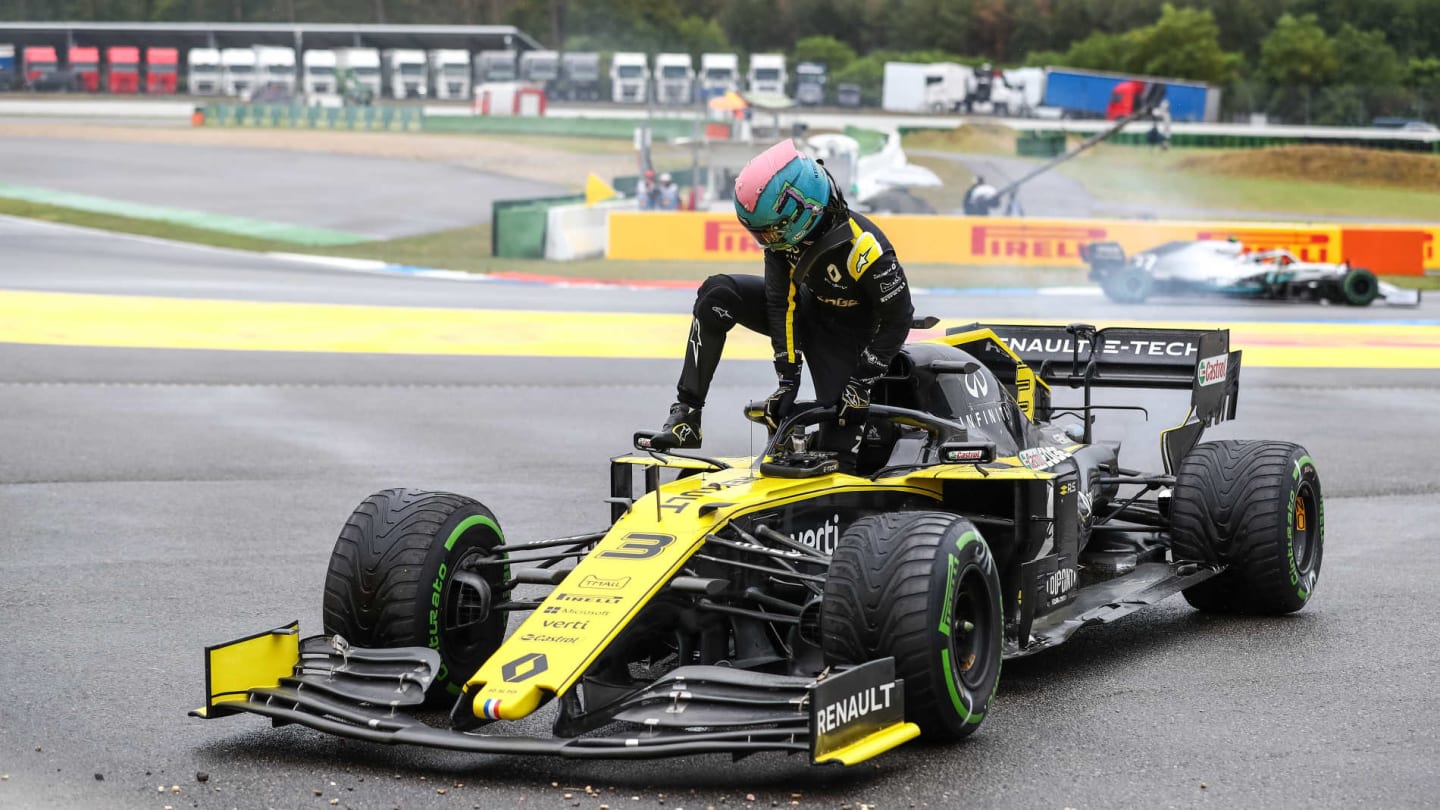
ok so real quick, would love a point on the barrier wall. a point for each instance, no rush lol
(294, 116)
(705, 236)
(550, 125)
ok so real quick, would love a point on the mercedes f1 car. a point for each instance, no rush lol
(1226, 268)
(777, 604)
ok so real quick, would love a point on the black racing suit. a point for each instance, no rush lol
(842, 302)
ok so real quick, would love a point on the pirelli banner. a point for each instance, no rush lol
(704, 236)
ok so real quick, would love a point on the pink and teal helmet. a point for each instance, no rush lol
(780, 196)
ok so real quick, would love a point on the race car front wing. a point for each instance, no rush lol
(840, 717)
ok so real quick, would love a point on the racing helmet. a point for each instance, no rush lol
(780, 196)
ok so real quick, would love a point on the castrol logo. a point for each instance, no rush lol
(1213, 369)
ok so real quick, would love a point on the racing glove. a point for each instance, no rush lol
(780, 403)
(854, 404)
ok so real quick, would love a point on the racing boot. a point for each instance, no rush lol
(681, 430)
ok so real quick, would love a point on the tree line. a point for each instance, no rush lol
(1321, 61)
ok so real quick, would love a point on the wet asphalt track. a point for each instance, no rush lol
(154, 501)
(370, 196)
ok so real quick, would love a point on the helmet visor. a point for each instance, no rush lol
(791, 208)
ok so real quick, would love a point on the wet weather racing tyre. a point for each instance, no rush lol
(1128, 284)
(404, 573)
(1359, 287)
(921, 587)
(1256, 508)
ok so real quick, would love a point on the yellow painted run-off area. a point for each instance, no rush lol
(67, 319)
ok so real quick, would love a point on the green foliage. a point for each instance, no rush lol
(697, 35)
(1297, 53)
(1184, 43)
(827, 50)
(1364, 57)
(1099, 51)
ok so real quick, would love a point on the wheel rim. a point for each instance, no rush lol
(1305, 529)
(972, 633)
(468, 607)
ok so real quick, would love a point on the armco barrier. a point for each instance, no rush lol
(544, 125)
(1140, 137)
(517, 227)
(703, 236)
(394, 119)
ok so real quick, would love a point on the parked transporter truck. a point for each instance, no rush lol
(202, 74)
(541, 68)
(84, 64)
(237, 71)
(674, 78)
(629, 78)
(719, 74)
(810, 79)
(580, 76)
(317, 75)
(362, 65)
(9, 78)
(162, 70)
(767, 73)
(122, 69)
(404, 72)
(275, 67)
(450, 73)
(495, 66)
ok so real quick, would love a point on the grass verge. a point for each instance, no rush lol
(468, 250)
(1316, 181)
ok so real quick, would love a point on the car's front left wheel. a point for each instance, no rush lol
(920, 587)
(419, 569)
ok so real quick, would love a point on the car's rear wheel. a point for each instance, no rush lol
(920, 587)
(1255, 507)
(1128, 284)
(403, 574)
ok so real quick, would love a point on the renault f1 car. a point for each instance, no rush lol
(777, 604)
(1221, 267)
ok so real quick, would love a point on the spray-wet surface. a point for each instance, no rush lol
(159, 500)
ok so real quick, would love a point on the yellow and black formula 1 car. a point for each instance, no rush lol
(777, 604)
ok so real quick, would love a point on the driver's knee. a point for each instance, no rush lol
(718, 302)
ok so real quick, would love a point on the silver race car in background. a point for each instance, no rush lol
(1222, 267)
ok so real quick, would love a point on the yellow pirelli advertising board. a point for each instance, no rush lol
(702, 236)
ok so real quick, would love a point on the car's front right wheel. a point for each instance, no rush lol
(920, 587)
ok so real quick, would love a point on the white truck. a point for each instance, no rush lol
(629, 78)
(404, 72)
(580, 78)
(767, 73)
(674, 78)
(275, 67)
(237, 71)
(202, 71)
(719, 74)
(363, 65)
(495, 66)
(934, 87)
(317, 75)
(450, 73)
(542, 68)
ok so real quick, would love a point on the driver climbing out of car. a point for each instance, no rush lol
(833, 294)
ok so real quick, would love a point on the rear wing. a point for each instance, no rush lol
(1082, 356)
